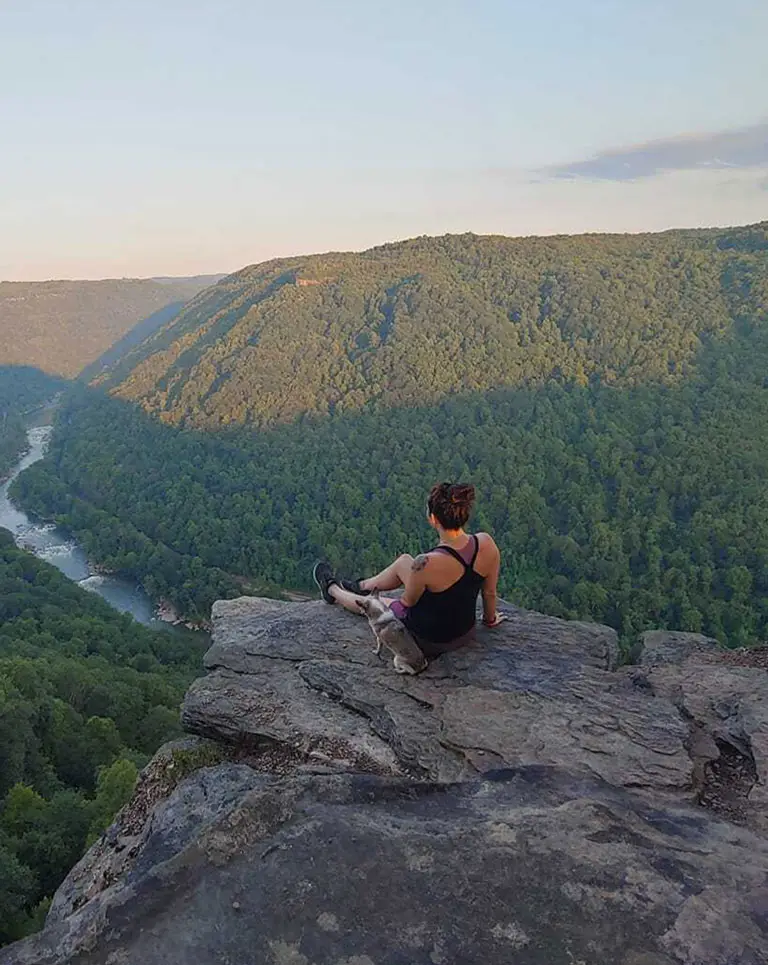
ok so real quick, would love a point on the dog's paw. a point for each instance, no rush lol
(402, 667)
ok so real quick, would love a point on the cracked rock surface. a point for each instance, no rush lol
(534, 690)
(522, 801)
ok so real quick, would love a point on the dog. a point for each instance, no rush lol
(392, 634)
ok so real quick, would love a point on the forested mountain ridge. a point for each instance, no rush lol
(62, 326)
(634, 494)
(639, 507)
(407, 323)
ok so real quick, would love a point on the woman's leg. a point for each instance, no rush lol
(389, 579)
(346, 598)
(349, 600)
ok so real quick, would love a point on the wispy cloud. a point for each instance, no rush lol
(741, 148)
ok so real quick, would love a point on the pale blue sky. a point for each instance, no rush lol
(180, 137)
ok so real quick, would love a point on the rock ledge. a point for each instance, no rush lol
(522, 801)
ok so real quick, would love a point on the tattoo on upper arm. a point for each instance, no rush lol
(419, 563)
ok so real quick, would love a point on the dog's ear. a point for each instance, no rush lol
(363, 605)
(375, 594)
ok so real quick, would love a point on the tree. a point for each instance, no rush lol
(17, 887)
(114, 789)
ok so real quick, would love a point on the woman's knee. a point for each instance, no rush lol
(403, 566)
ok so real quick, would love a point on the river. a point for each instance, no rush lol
(49, 543)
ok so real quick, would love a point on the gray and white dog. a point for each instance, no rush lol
(393, 634)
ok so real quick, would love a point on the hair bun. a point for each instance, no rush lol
(461, 493)
(451, 503)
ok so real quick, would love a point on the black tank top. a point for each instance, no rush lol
(444, 615)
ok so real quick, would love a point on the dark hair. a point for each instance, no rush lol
(451, 503)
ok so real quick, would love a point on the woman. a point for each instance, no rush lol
(441, 586)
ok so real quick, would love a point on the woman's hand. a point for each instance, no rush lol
(494, 621)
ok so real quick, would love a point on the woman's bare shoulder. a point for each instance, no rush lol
(486, 542)
(485, 538)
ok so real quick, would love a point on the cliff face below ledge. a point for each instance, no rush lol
(521, 802)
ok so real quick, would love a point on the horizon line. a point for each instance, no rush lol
(359, 251)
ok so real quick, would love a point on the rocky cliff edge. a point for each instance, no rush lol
(523, 801)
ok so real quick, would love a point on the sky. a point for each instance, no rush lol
(178, 137)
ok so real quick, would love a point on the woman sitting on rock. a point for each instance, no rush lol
(440, 586)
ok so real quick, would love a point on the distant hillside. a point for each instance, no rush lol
(62, 326)
(133, 337)
(408, 323)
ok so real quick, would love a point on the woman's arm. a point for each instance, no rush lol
(416, 580)
(490, 615)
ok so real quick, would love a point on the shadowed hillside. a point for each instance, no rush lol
(639, 507)
(22, 389)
